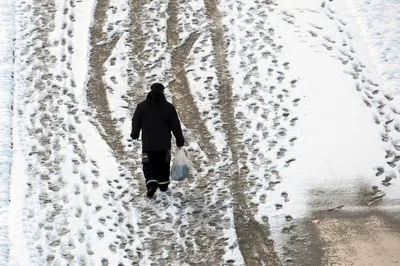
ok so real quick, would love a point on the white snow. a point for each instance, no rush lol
(204, 86)
(312, 141)
(191, 18)
(6, 103)
(117, 17)
(379, 22)
(82, 204)
(312, 82)
(18, 172)
(339, 143)
(117, 84)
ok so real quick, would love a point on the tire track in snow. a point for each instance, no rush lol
(164, 237)
(138, 40)
(97, 94)
(203, 219)
(60, 229)
(252, 236)
(55, 214)
(180, 85)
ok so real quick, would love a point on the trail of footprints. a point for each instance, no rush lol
(174, 222)
(181, 222)
(270, 100)
(67, 220)
(385, 114)
(62, 214)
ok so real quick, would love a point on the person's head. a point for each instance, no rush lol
(157, 87)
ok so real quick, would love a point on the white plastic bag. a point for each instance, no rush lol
(180, 167)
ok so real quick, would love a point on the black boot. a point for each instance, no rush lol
(151, 192)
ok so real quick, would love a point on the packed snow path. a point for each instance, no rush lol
(279, 101)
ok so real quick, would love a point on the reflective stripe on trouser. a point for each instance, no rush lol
(157, 169)
(148, 182)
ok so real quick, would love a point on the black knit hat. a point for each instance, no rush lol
(157, 87)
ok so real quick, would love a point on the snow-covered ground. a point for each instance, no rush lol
(156, 61)
(379, 23)
(331, 131)
(63, 171)
(6, 103)
(315, 89)
(347, 121)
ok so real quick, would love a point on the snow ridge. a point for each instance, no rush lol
(6, 103)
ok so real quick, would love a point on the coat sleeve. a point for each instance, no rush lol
(136, 123)
(176, 128)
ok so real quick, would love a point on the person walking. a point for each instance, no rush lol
(156, 118)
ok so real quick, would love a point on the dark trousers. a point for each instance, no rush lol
(156, 169)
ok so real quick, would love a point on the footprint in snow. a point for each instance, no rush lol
(286, 91)
(350, 36)
(328, 39)
(342, 22)
(380, 170)
(281, 133)
(293, 83)
(293, 121)
(50, 258)
(377, 120)
(288, 162)
(296, 101)
(286, 114)
(330, 16)
(113, 248)
(272, 184)
(288, 228)
(369, 96)
(81, 236)
(313, 34)
(285, 196)
(281, 153)
(263, 198)
(292, 140)
(367, 103)
(327, 46)
(392, 163)
(384, 137)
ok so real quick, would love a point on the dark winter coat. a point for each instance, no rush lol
(156, 118)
